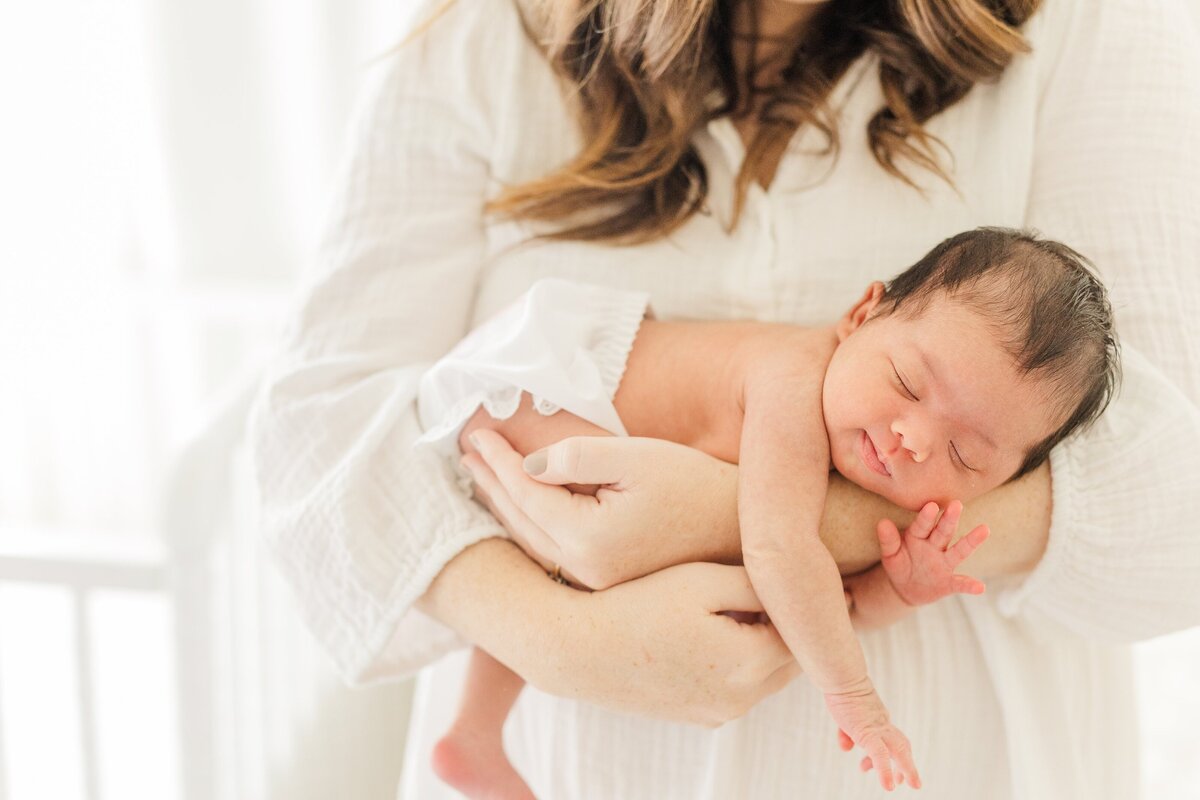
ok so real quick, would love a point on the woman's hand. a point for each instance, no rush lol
(679, 658)
(655, 646)
(659, 504)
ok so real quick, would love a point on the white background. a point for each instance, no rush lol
(162, 174)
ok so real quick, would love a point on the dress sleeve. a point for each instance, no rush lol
(1116, 176)
(357, 522)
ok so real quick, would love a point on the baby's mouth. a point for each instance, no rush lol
(870, 455)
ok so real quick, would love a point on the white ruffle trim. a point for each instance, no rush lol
(581, 354)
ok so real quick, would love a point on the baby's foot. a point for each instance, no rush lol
(474, 762)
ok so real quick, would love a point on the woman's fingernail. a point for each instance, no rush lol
(535, 463)
(474, 440)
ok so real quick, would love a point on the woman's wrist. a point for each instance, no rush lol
(1018, 515)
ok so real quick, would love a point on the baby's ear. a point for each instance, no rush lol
(853, 319)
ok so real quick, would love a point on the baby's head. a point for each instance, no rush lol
(967, 368)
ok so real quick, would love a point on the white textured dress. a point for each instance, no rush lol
(1023, 693)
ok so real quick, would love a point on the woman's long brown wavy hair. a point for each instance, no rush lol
(649, 73)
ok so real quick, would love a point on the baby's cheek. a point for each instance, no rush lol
(840, 458)
(916, 501)
(974, 485)
(914, 497)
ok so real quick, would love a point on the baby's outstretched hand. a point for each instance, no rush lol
(862, 720)
(920, 562)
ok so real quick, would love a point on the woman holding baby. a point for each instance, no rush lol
(746, 160)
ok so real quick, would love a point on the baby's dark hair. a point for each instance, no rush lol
(1050, 310)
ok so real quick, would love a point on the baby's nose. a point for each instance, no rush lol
(907, 441)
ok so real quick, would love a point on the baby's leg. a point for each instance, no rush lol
(470, 757)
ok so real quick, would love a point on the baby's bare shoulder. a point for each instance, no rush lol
(789, 352)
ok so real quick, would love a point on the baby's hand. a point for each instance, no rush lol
(920, 562)
(862, 720)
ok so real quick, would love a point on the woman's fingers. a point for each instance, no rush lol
(598, 460)
(541, 503)
(729, 588)
(699, 666)
(529, 535)
(504, 461)
(487, 490)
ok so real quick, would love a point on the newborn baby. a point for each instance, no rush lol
(957, 376)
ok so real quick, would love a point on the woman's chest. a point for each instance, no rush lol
(803, 250)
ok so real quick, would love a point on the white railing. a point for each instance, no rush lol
(84, 566)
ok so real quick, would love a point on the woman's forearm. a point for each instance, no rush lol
(1017, 513)
(518, 632)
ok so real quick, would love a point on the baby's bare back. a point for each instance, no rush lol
(682, 382)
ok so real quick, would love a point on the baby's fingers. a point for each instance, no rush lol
(889, 538)
(947, 525)
(965, 584)
(844, 741)
(901, 750)
(865, 766)
(923, 524)
(966, 545)
(882, 761)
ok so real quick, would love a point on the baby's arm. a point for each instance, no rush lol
(784, 473)
(916, 568)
